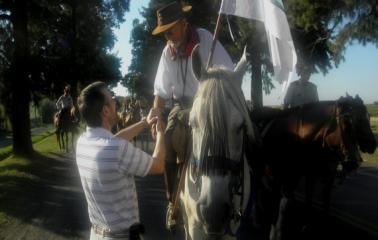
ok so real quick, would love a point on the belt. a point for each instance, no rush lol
(107, 233)
(133, 233)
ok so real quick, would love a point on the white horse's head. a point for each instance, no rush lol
(219, 121)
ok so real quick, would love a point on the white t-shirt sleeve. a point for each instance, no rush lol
(164, 76)
(220, 56)
(133, 161)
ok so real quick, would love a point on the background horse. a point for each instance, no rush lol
(65, 123)
(136, 111)
(307, 141)
(214, 174)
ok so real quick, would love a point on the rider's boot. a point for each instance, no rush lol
(170, 221)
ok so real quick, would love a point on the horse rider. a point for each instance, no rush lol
(301, 91)
(175, 79)
(64, 103)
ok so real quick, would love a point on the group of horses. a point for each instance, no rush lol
(242, 168)
(67, 123)
(132, 113)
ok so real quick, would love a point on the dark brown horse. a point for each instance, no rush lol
(66, 122)
(307, 141)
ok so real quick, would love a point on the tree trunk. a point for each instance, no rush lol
(256, 80)
(20, 84)
(74, 69)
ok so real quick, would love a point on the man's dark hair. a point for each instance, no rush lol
(91, 101)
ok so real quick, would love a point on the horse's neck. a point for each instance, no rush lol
(307, 123)
(314, 120)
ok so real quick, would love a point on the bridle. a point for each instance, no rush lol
(340, 119)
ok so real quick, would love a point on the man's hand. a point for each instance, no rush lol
(153, 118)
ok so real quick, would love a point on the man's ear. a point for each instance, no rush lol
(105, 110)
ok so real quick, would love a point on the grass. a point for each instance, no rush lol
(7, 151)
(19, 179)
(373, 158)
(372, 109)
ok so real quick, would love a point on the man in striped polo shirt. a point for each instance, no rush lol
(108, 163)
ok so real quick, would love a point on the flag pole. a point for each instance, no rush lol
(216, 32)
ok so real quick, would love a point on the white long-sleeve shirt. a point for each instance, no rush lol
(169, 80)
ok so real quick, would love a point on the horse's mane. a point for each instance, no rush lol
(213, 92)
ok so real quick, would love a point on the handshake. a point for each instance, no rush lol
(156, 122)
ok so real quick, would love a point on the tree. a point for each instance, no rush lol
(40, 40)
(321, 31)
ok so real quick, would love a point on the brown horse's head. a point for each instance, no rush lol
(356, 121)
(352, 129)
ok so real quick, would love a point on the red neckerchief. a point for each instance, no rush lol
(192, 41)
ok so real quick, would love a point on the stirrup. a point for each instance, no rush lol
(170, 223)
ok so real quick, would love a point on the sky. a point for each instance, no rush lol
(358, 74)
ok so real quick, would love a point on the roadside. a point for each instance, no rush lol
(38, 134)
(41, 197)
(6, 140)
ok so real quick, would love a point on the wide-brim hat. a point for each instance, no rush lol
(169, 15)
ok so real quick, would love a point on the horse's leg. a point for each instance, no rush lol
(72, 140)
(284, 226)
(329, 179)
(67, 143)
(309, 194)
(62, 140)
(57, 133)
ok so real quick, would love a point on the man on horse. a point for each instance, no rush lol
(175, 79)
(64, 104)
(301, 91)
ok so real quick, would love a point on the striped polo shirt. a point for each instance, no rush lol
(107, 166)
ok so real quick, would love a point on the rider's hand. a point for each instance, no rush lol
(160, 126)
(153, 116)
(152, 119)
(153, 131)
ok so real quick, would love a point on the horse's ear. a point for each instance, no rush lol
(241, 67)
(198, 67)
(347, 94)
(358, 99)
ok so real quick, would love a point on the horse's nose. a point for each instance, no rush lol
(369, 147)
(215, 218)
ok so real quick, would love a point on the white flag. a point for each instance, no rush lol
(271, 13)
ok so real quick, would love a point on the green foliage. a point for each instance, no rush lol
(147, 49)
(323, 29)
(69, 43)
(373, 110)
(49, 44)
(47, 110)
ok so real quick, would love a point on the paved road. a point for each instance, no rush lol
(356, 200)
(62, 212)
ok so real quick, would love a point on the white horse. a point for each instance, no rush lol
(217, 170)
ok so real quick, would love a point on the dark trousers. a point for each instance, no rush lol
(178, 115)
